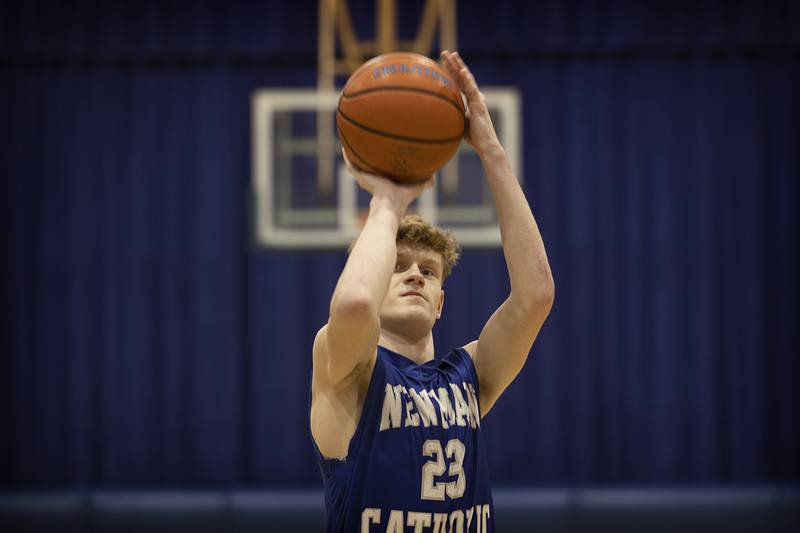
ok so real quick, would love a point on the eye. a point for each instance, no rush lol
(399, 267)
(428, 272)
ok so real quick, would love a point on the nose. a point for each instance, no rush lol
(415, 276)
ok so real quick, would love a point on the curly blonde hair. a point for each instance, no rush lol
(414, 231)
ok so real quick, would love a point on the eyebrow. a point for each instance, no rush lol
(426, 259)
(430, 262)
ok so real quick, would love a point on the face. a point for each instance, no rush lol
(415, 297)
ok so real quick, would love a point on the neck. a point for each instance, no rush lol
(418, 350)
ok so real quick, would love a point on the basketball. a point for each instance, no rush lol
(400, 115)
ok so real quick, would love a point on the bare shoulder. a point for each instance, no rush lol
(471, 348)
(319, 352)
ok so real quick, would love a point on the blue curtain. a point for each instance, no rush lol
(149, 342)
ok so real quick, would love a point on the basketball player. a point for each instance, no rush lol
(398, 431)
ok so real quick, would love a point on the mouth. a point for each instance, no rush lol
(412, 293)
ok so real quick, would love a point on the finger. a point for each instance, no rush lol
(354, 170)
(451, 66)
(347, 162)
(449, 61)
(458, 60)
(464, 73)
(445, 55)
(455, 71)
(445, 60)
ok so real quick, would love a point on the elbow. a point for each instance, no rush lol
(542, 301)
(538, 300)
(547, 294)
(548, 298)
(353, 304)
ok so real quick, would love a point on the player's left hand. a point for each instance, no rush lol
(480, 132)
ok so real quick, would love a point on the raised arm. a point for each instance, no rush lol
(349, 339)
(504, 343)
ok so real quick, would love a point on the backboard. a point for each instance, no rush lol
(296, 208)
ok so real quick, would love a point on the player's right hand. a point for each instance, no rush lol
(480, 132)
(399, 194)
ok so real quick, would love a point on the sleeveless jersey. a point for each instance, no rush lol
(417, 460)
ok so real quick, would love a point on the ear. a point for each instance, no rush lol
(441, 304)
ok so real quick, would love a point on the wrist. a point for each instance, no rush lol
(491, 151)
(388, 206)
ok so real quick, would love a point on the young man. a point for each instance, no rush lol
(398, 431)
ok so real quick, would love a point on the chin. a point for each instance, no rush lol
(405, 317)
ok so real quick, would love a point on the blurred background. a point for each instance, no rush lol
(153, 352)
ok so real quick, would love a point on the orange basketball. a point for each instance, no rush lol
(400, 115)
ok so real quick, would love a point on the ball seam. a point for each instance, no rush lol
(396, 136)
(401, 88)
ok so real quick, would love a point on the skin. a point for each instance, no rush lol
(406, 316)
(374, 301)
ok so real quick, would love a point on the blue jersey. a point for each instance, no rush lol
(417, 460)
